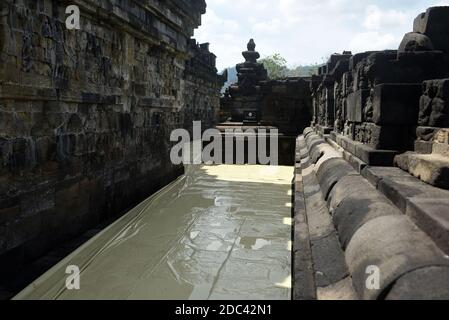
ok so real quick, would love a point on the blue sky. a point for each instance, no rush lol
(306, 31)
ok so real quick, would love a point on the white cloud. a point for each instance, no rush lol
(376, 19)
(368, 41)
(273, 26)
(305, 31)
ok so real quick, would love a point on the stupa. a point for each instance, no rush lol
(246, 93)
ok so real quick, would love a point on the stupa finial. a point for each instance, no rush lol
(251, 45)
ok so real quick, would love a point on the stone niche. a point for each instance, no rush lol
(86, 115)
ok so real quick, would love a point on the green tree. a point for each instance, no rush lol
(276, 66)
(304, 71)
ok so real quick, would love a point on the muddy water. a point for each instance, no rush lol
(219, 232)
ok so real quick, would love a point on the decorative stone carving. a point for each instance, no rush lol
(86, 115)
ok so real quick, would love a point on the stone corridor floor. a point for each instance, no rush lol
(219, 232)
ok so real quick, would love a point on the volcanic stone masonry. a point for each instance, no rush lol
(258, 104)
(372, 172)
(258, 101)
(86, 115)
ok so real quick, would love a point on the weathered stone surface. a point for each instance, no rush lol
(423, 147)
(433, 24)
(286, 104)
(349, 185)
(375, 174)
(244, 96)
(385, 137)
(354, 212)
(394, 245)
(329, 262)
(304, 287)
(424, 204)
(347, 144)
(365, 154)
(434, 104)
(430, 168)
(415, 42)
(318, 218)
(353, 202)
(432, 216)
(308, 131)
(355, 162)
(399, 189)
(375, 157)
(316, 150)
(430, 283)
(86, 115)
(386, 103)
(355, 104)
(331, 172)
(396, 104)
(341, 91)
(313, 138)
(327, 93)
(328, 154)
(341, 291)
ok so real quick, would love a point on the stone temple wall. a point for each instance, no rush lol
(86, 115)
(380, 104)
(374, 168)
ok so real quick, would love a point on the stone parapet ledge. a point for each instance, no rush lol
(408, 249)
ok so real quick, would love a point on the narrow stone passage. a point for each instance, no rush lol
(208, 235)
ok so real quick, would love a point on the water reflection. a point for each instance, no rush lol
(221, 232)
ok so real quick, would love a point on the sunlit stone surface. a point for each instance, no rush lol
(210, 235)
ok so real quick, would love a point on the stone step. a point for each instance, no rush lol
(371, 231)
(366, 154)
(430, 168)
(426, 205)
